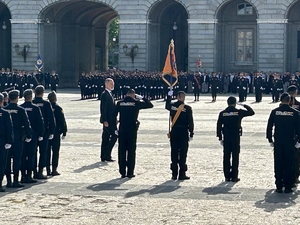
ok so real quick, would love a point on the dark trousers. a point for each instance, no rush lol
(275, 95)
(28, 156)
(284, 164)
(108, 141)
(242, 95)
(126, 151)
(3, 160)
(231, 152)
(53, 147)
(179, 148)
(196, 93)
(43, 148)
(258, 94)
(297, 163)
(16, 153)
(214, 93)
(53, 87)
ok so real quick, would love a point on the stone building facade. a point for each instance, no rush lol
(230, 35)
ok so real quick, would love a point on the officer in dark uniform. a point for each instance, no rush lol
(286, 121)
(49, 123)
(181, 133)
(5, 101)
(60, 129)
(259, 87)
(214, 84)
(21, 127)
(6, 138)
(243, 87)
(229, 131)
(197, 86)
(29, 151)
(293, 91)
(128, 110)
(277, 88)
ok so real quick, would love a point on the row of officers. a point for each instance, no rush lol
(283, 134)
(150, 84)
(22, 80)
(30, 136)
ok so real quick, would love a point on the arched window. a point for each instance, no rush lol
(244, 9)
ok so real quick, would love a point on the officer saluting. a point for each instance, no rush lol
(181, 133)
(286, 121)
(128, 109)
(229, 132)
(6, 138)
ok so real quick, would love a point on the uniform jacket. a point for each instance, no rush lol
(61, 125)
(6, 128)
(107, 106)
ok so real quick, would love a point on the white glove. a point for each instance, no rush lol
(40, 138)
(117, 132)
(63, 137)
(272, 144)
(221, 142)
(28, 140)
(78, 85)
(57, 85)
(51, 136)
(170, 93)
(297, 145)
(190, 138)
(244, 88)
(139, 96)
(7, 146)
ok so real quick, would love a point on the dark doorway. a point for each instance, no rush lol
(5, 37)
(167, 20)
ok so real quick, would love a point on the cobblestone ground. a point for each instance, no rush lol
(90, 192)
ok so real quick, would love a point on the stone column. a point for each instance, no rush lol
(133, 32)
(271, 44)
(202, 36)
(24, 31)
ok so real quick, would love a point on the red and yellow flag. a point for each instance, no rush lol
(169, 74)
(199, 63)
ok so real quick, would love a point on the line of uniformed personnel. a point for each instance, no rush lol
(35, 124)
(22, 80)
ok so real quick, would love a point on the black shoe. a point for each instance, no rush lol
(8, 185)
(131, 176)
(2, 189)
(279, 190)
(123, 176)
(236, 180)
(110, 160)
(29, 180)
(184, 177)
(17, 185)
(174, 178)
(23, 180)
(40, 176)
(227, 179)
(288, 190)
(55, 173)
(49, 173)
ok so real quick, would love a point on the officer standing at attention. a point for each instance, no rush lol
(107, 107)
(49, 123)
(60, 129)
(20, 123)
(128, 110)
(6, 138)
(29, 151)
(229, 131)
(286, 121)
(182, 131)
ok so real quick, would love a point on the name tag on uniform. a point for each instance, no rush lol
(284, 113)
(231, 114)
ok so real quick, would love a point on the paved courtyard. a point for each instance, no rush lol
(91, 192)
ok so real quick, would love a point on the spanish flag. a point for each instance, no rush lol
(169, 74)
(199, 63)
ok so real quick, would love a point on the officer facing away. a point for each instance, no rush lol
(181, 133)
(286, 121)
(229, 131)
(128, 110)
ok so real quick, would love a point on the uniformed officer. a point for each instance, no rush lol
(259, 87)
(128, 110)
(286, 121)
(229, 131)
(6, 138)
(49, 123)
(214, 86)
(60, 133)
(293, 91)
(20, 124)
(181, 133)
(29, 151)
(197, 86)
(243, 87)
